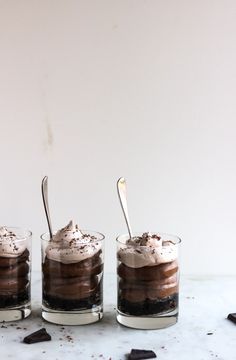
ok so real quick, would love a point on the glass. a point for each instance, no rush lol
(15, 272)
(73, 292)
(147, 296)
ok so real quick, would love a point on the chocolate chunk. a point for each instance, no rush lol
(37, 336)
(232, 317)
(136, 354)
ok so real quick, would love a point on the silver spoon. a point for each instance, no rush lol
(45, 203)
(121, 188)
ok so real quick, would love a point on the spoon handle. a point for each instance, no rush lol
(45, 203)
(121, 188)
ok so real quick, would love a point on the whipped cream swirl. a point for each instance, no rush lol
(70, 245)
(10, 246)
(147, 250)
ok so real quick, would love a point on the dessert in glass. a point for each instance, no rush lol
(72, 270)
(15, 268)
(148, 280)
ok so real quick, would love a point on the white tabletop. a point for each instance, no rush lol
(204, 306)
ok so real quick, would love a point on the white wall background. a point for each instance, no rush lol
(94, 90)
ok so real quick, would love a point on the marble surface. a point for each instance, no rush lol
(204, 305)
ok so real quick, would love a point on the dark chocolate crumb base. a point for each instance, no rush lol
(15, 300)
(63, 304)
(148, 307)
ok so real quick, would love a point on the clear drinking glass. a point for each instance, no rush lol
(147, 296)
(15, 272)
(73, 292)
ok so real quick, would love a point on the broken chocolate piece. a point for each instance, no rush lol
(232, 317)
(136, 354)
(37, 336)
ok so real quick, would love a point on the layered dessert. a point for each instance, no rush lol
(14, 269)
(72, 270)
(147, 275)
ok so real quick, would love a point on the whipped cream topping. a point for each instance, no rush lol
(70, 245)
(147, 250)
(9, 244)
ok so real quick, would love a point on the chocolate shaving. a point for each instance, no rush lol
(37, 336)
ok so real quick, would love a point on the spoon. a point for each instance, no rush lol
(121, 188)
(45, 203)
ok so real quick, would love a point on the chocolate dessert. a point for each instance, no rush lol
(148, 276)
(14, 270)
(72, 270)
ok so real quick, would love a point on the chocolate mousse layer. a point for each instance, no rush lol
(148, 273)
(74, 286)
(14, 280)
